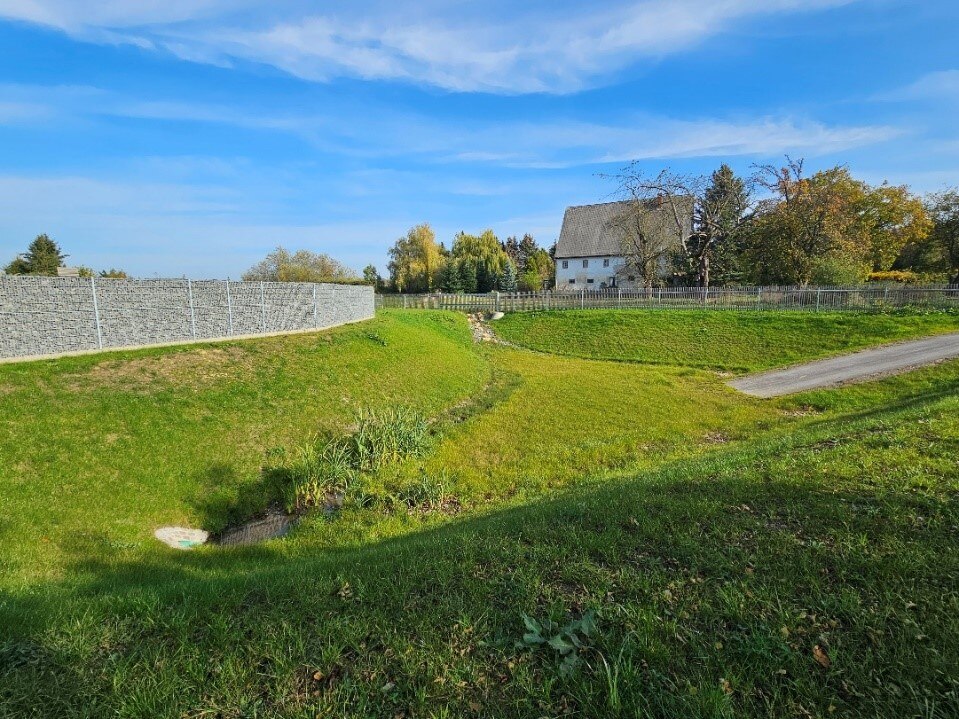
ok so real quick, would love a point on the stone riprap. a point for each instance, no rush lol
(55, 315)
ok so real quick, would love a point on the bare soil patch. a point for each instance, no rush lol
(193, 369)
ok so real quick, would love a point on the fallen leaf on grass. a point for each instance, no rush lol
(821, 657)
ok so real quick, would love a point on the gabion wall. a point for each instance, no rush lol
(52, 315)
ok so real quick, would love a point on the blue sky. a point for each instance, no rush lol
(173, 137)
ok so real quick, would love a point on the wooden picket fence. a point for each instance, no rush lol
(862, 299)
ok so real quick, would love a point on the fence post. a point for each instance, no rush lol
(314, 307)
(229, 306)
(818, 298)
(497, 302)
(582, 299)
(404, 302)
(759, 297)
(96, 313)
(189, 294)
(262, 309)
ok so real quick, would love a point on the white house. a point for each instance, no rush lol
(589, 252)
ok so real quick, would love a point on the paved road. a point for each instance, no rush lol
(859, 366)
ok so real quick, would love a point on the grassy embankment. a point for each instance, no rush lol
(726, 340)
(736, 569)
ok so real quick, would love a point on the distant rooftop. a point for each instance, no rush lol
(589, 230)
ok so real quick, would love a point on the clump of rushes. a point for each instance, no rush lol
(425, 492)
(386, 436)
(319, 475)
(323, 472)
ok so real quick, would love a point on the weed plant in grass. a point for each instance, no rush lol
(730, 340)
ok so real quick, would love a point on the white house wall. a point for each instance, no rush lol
(576, 277)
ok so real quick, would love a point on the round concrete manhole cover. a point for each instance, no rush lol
(181, 537)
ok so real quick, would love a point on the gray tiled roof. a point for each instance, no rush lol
(588, 230)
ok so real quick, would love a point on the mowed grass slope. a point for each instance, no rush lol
(179, 435)
(100, 450)
(737, 341)
(744, 558)
(570, 419)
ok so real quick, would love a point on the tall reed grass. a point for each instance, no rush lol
(323, 471)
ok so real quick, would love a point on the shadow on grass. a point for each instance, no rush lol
(225, 500)
(728, 568)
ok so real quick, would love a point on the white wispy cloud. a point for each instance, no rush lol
(939, 85)
(767, 137)
(557, 143)
(17, 112)
(459, 46)
(168, 228)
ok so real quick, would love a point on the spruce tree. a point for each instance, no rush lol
(451, 279)
(527, 248)
(485, 277)
(467, 273)
(723, 206)
(42, 257)
(507, 279)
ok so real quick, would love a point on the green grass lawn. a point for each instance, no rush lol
(793, 557)
(100, 450)
(736, 341)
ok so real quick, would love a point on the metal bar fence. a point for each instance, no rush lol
(810, 299)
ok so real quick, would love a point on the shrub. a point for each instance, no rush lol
(836, 270)
(905, 277)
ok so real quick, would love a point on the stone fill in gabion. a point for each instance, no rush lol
(53, 315)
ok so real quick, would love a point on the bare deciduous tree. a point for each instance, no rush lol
(694, 213)
(645, 240)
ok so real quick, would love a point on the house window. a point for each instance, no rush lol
(585, 263)
(589, 282)
(565, 264)
(572, 282)
(606, 262)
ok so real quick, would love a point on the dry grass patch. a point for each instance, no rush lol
(191, 368)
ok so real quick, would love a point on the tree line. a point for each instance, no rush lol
(781, 226)
(473, 263)
(45, 257)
